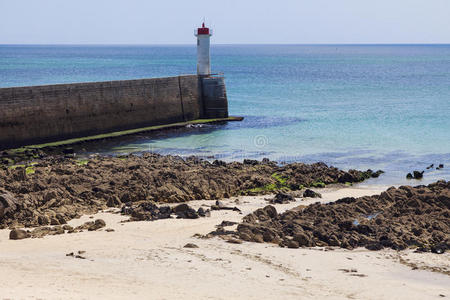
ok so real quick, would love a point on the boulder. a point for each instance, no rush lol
(418, 175)
(377, 173)
(18, 234)
(311, 194)
(99, 223)
(293, 244)
(184, 211)
(303, 239)
(282, 198)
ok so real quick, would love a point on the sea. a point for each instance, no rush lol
(351, 106)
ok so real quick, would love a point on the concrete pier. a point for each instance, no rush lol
(41, 114)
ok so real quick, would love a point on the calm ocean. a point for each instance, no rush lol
(353, 106)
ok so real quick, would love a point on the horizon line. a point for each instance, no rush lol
(222, 44)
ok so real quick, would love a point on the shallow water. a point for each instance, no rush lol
(380, 106)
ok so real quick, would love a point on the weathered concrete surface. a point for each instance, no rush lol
(214, 97)
(39, 114)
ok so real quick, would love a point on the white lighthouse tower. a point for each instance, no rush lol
(203, 35)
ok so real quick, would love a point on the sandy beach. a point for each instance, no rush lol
(224, 150)
(147, 260)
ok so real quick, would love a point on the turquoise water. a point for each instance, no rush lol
(353, 106)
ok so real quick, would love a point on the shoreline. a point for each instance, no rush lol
(148, 259)
(203, 257)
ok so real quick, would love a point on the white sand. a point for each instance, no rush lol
(146, 260)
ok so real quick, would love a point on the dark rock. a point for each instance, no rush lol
(250, 162)
(113, 201)
(190, 245)
(67, 227)
(282, 198)
(270, 236)
(97, 224)
(377, 174)
(418, 175)
(303, 240)
(219, 163)
(18, 234)
(203, 212)
(397, 218)
(258, 238)
(293, 244)
(54, 221)
(439, 248)
(8, 203)
(234, 241)
(180, 208)
(64, 184)
(374, 246)
(184, 211)
(346, 200)
(311, 194)
(245, 236)
(68, 151)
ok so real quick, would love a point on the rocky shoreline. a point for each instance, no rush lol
(417, 217)
(55, 189)
(49, 192)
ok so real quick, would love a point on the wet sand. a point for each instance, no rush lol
(148, 260)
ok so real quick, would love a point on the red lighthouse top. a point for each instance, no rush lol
(203, 29)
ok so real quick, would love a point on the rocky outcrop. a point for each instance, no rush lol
(148, 211)
(311, 194)
(397, 218)
(57, 189)
(8, 203)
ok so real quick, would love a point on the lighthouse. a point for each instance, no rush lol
(214, 94)
(203, 35)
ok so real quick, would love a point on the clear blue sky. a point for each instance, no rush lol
(234, 21)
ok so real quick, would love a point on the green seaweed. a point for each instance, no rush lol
(13, 167)
(318, 184)
(264, 189)
(124, 133)
(280, 180)
(29, 170)
(82, 162)
(280, 184)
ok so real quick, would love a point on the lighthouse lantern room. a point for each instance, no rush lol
(203, 35)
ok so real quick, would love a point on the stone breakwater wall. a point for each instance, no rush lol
(40, 114)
